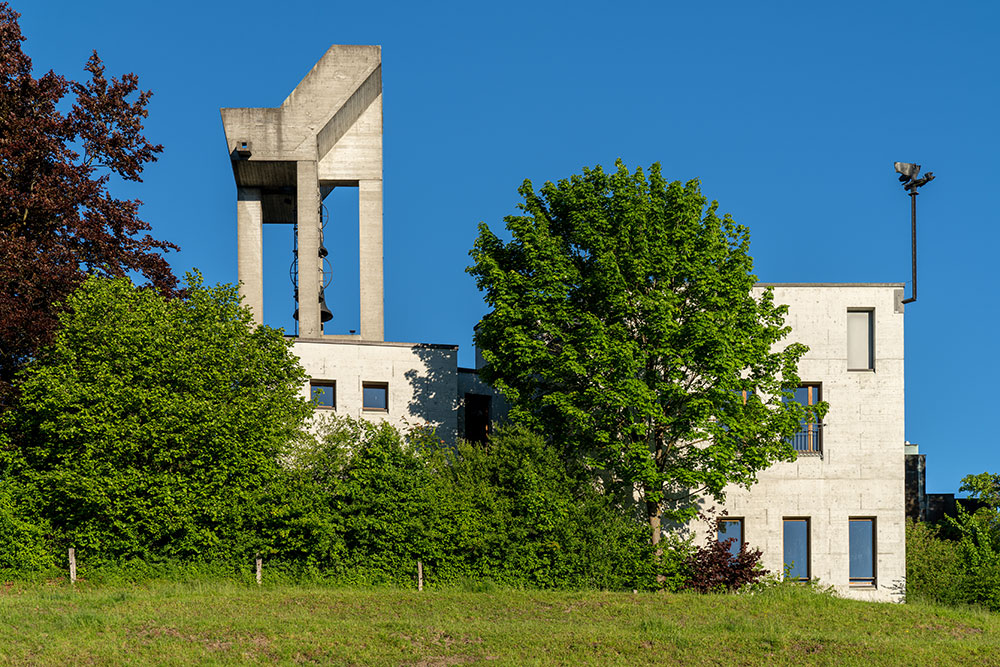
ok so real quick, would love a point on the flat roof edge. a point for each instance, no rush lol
(829, 284)
(375, 343)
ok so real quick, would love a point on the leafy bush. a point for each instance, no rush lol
(510, 511)
(980, 556)
(713, 568)
(150, 426)
(24, 546)
(382, 500)
(934, 567)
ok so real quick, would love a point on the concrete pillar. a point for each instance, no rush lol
(370, 259)
(250, 250)
(310, 264)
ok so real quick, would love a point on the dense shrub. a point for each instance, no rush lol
(953, 571)
(979, 549)
(934, 570)
(150, 426)
(510, 511)
(713, 568)
(505, 512)
(24, 546)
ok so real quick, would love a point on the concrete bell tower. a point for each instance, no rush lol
(326, 134)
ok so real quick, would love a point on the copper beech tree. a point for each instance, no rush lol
(58, 220)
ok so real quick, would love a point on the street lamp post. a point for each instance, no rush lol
(908, 176)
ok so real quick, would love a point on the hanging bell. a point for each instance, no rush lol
(324, 312)
(323, 252)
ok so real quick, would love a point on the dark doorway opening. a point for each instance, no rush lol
(477, 417)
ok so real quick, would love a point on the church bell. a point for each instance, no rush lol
(324, 311)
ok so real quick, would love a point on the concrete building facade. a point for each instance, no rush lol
(837, 512)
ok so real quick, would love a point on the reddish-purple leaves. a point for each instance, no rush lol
(58, 220)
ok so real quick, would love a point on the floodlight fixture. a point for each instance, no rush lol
(907, 170)
(908, 176)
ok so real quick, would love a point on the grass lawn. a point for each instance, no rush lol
(224, 623)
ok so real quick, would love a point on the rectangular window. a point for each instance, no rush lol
(810, 435)
(323, 393)
(796, 542)
(731, 529)
(860, 340)
(375, 396)
(862, 548)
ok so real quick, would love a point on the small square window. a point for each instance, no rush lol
(860, 340)
(862, 549)
(731, 529)
(323, 393)
(375, 396)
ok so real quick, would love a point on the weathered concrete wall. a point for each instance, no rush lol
(861, 471)
(422, 380)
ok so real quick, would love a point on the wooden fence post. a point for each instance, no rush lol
(260, 576)
(72, 565)
(420, 575)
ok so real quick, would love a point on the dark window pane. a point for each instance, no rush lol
(797, 548)
(862, 550)
(731, 528)
(375, 397)
(323, 395)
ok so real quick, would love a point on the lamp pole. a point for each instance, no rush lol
(908, 177)
(913, 243)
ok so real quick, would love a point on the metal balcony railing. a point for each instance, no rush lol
(808, 439)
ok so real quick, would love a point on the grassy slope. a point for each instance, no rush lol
(228, 624)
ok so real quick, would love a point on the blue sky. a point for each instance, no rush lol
(789, 113)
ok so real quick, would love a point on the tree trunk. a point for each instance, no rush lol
(653, 515)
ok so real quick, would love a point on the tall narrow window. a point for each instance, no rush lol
(860, 340)
(731, 529)
(375, 396)
(862, 549)
(796, 542)
(323, 393)
(810, 435)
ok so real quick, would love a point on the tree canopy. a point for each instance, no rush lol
(625, 325)
(58, 220)
(149, 424)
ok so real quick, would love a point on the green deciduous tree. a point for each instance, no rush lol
(149, 424)
(624, 326)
